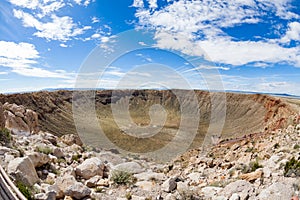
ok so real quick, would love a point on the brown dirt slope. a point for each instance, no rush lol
(246, 113)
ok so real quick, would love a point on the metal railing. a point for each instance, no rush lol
(8, 191)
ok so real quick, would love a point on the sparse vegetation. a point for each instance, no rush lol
(76, 157)
(25, 190)
(232, 172)
(292, 168)
(254, 166)
(296, 146)
(128, 196)
(276, 146)
(44, 150)
(219, 183)
(249, 149)
(5, 136)
(121, 177)
(99, 190)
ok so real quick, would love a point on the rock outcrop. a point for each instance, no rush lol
(19, 119)
(2, 119)
(257, 167)
(90, 167)
(22, 169)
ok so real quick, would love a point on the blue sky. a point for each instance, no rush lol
(252, 45)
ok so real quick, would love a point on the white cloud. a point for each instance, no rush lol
(105, 39)
(244, 52)
(83, 2)
(280, 6)
(96, 35)
(59, 28)
(192, 16)
(30, 4)
(152, 4)
(138, 3)
(20, 58)
(21, 51)
(95, 20)
(260, 84)
(196, 28)
(293, 33)
(63, 45)
(48, 9)
(42, 7)
(211, 67)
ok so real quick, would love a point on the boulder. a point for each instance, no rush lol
(252, 176)
(235, 196)
(22, 169)
(210, 191)
(90, 167)
(149, 176)
(15, 123)
(6, 150)
(92, 182)
(110, 158)
(130, 167)
(38, 159)
(103, 182)
(78, 191)
(169, 185)
(45, 196)
(31, 118)
(277, 191)
(58, 152)
(2, 119)
(194, 177)
(241, 187)
(14, 108)
(62, 184)
(71, 139)
(145, 185)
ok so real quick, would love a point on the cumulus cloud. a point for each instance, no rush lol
(83, 2)
(95, 20)
(41, 7)
(138, 3)
(63, 45)
(44, 20)
(244, 52)
(293, 33)
(59, 28)
(152, 4)
(261, 84)
(20, 58)
(197, 28)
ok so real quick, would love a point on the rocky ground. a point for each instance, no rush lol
(44, 166)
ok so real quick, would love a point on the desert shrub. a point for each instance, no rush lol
(292, 167)
(254, 166)
(121, 177)
(276, 146)
(296, 146)
(25, 190)
(45, 150)
(5, 136)
(76, 157)
(99, 190)
(249, 149)
(128, 196)
(221, 183)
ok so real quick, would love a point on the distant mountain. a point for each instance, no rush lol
(160, 89)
